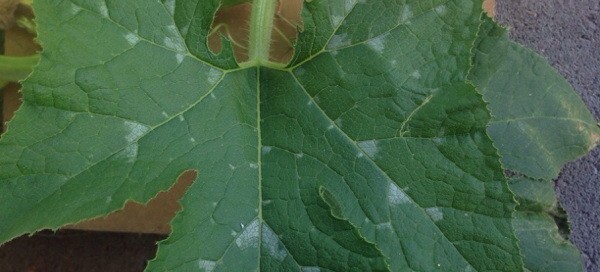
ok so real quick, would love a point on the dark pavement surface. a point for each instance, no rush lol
(567, 33)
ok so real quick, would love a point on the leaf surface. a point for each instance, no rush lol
(368, 153)
(538, 124)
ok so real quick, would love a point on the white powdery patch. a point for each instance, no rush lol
(386, 226)
(253, 165)
(170, 6)
(378, 43)
(396, 196)
(108, 199)
(132, 39)
(214, 75)
(249, 236)
(136, 130)
(206, 265)
(349, 4)
(416, 74)
(179, 58)
(311, 269)
(339, 40)
(271, 242)
(102, 8)
(181, 118)
(131, 152)
(336, 20)
(339, 122)
(75, 9)
(174, 44)
(266, 149)
(406, 14)
(370, 147)
(299, 155)
(435, 214)
(441, 10)
(299, 71)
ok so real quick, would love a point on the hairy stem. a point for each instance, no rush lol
(261, 26)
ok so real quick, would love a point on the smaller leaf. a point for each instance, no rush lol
(542, 245)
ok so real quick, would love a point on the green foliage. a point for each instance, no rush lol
(369, 152)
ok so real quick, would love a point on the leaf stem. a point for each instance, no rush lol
(261, 26)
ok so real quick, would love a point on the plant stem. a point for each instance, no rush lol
(261, 26)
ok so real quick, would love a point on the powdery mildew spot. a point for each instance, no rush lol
(214, 75)
(378, 43)
(299, 155)
(206, 266)
(131, 152)
(136, 130)
(174, 44)
(349, 4)
(416, 74)
(249, 236)
(336, 20)
(339, 40)
(338, 122)
(231, 166)
(170, 6)
(441, 10)
(132, 39)
(370, 147)
(271, 243)
(435, 214)
(253, 165)
(311, 269)
(102, 8)
(406, 14)
(181, 118)
(179, 57)
(108, 199)
(395, 196)
(165, 114)
(266, 149)
(75, 9)
(299, 71)
(386, 225)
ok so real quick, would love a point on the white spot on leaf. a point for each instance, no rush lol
(271, 242)
(406, 14)
(179, 58)
(339, 40)
(441, 10)
(370, 147)
(253, 165)
(102, 8)
(336, 20)
(206, 266)
(170, 6)
(249, 236)
(395, 196)
(132, 39)
(416, 74)
(311, 269)
(214, 75)
(131, 152)
(378, 43)
(266, 149)
(435, 213)
(136, 130)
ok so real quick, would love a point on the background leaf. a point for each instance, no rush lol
(538, 124)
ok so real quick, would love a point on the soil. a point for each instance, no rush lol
(567, 33)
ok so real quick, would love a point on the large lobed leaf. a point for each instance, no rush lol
(369, 152)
